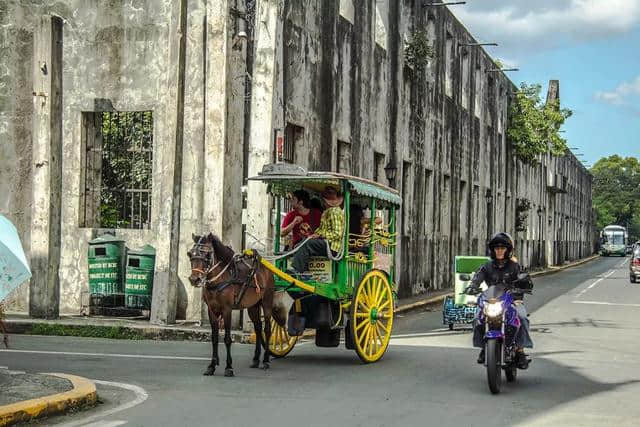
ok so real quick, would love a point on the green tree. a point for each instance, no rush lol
(616, 192)
(534, 125)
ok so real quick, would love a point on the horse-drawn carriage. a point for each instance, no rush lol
(351, 290)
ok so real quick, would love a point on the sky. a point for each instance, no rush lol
(591, 46)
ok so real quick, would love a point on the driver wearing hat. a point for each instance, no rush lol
(330, 231)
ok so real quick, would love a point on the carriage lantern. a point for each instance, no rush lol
(390, 171)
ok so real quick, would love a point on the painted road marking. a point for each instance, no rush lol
(133, 356)
(606, 303)
(433, 332)
(141, 396)
(114, 423)
(595, 283)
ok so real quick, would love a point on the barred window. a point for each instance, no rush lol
(293, 136)
(116, 169)
(344, 157)
(378, 166)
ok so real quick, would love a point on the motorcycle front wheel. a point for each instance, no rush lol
(494, 371)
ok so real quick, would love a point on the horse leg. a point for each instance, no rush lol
(228, 371)
(267, 333)
(254, 315)
(213, 320)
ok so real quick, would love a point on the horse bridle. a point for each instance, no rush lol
(207, 255)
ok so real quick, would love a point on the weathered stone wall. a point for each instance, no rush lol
(175, 58)
(334, 70)
(347, 83)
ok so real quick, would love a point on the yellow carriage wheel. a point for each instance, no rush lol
(281, 342)
(372, 316)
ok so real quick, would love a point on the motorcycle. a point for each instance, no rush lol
(498, 315)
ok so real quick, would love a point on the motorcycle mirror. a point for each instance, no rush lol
(465, 277)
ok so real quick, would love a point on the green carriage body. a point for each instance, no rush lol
(283, 179)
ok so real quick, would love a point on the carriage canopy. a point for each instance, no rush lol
(284, 178)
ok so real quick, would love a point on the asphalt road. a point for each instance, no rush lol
(585, 371)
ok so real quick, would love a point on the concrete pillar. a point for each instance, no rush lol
(169, 159)
(47, 168)
(262, 120)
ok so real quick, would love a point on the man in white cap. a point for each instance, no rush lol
(330, 231)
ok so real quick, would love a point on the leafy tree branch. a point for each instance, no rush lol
(534, 126)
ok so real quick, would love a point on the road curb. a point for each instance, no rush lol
(83, 393)
(148, 332)
(422, 303)
(440, 298)
(564, 267)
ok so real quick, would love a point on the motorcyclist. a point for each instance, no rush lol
(503, 268)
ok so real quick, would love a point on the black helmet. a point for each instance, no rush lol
(501, 239)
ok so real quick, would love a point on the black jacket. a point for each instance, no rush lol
(493, 273)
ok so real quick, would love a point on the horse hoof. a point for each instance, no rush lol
(209, 371)
(255, 365)
(265, 366)
(228, 372)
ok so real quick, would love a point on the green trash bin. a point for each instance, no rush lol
(106, 271)
(139, 279)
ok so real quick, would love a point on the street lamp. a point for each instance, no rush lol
(390, 171)
(444, 4)
(477, 44)
(501, 70)
(459, 45)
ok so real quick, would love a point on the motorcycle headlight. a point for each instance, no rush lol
(493, 309)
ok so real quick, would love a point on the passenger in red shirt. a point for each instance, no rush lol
(302, 220)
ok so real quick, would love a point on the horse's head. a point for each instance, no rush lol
(202, 257)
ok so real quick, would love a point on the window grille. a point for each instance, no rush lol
(344, 157)
(117, 169)
(378, 166)
(293, 136)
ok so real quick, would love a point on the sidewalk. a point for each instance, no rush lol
(138, 328)
(28, 396)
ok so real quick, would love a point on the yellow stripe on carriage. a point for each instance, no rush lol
(284, 276)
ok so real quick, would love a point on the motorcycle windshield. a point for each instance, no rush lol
(495, 292)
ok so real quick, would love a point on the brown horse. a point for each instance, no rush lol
(232, 283)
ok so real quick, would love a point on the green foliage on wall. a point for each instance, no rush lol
(419, 50)
(616, 193)
(534, 125)
(523, 207)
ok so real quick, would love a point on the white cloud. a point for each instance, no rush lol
(622, 94)
(547, 23)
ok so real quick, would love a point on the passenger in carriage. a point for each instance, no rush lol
(356, 229)
(302, 220)
(329, 233)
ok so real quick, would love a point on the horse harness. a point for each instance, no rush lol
(235, 265)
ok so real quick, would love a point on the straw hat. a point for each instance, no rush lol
(331, 197)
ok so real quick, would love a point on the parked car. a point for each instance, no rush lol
(634, 265)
